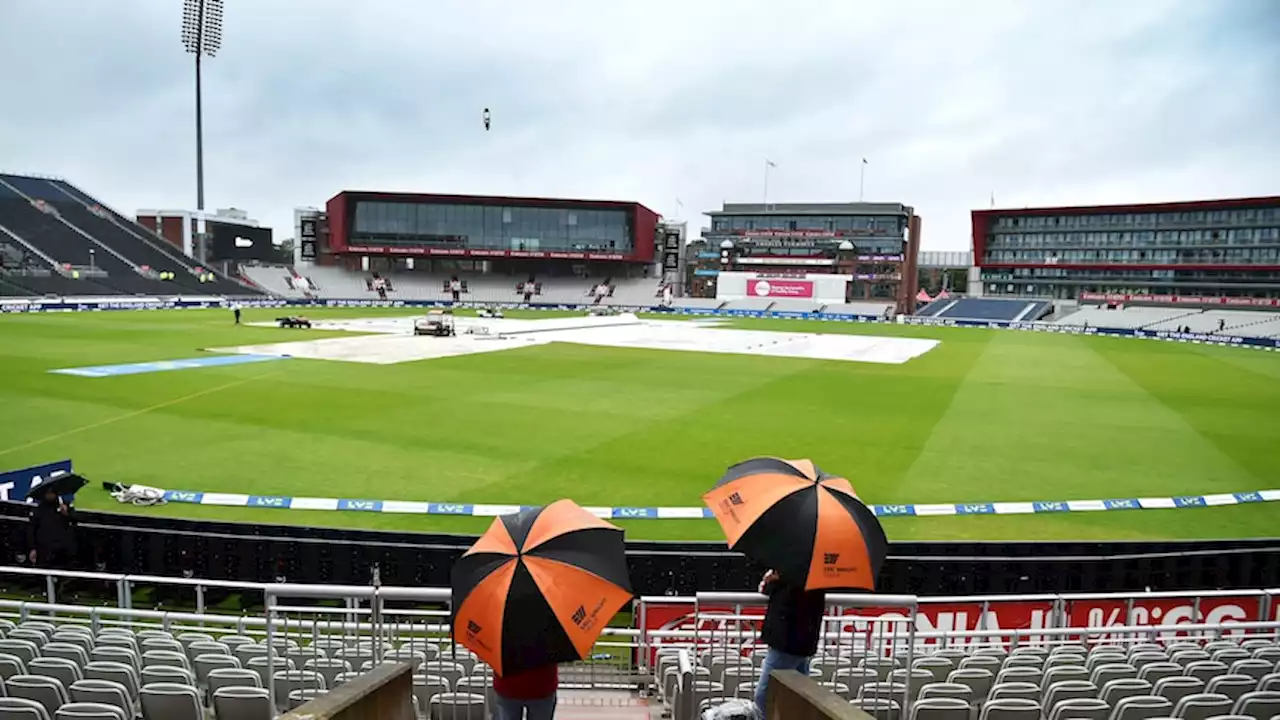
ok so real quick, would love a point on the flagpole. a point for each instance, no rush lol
(766, 183)
(862, 178)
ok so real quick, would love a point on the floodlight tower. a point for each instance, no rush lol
(202, 37)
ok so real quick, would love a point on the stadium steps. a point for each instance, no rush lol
(6, 233)
(937, 307)
(1174, 319)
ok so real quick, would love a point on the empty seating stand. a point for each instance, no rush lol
(994, 309)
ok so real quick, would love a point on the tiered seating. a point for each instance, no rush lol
(272, 278)
(56, 670)
(689, 303)
(749, 304)
(1185, 678)
(870, 309)
(1128, 318)
(795, 306)
(998, 309)
(1209, 321)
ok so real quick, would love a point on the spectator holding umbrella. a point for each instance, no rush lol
(535, 590)
(817, 535)
(51, 530)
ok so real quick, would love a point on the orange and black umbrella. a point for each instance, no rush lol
(539, 587)
(809, 526)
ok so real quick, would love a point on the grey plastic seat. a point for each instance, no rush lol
(1258, 704)
(104, 692)
(65, 671)
(47, 691)
(1011, 709)
(1206, 670)
(979, 680)
(1155, 672)
(299, 697)
(1269, 683)
(1177, 687)
(877, 707)
(162, 644)
(114, 672)
(1253, 668)
(1068, 690)
(452, 671)
(24, 650)
(80, 640)
(259, 665)
(170, 701)
(1203, 706)
(456, 706)
(35, 637)
(207, 647)
(1142, 707)
(286, 681)
(1226, 655)
(1025, 660)
(938, 667)
(1233, 686)
(947, 690)
(21, 709)
(1186, 657)
(986, 662)
(66, 651)
(167, 674)
(328, 668)
(116, 654)
(243, 703)
(1080, 709)
(1098, 659)
(426, 687)
(1120, 688)
(89, 711)
(166, 658)
(1017, 690)
(211, 661)
(232, 677)
(1104, 674)
(1063, 672)
(940, 709)
(11, 665)
(190, 638)
(245, 651)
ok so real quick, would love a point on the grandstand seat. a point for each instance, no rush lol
(299, 697)
(1155, 672)
(1177, 687)
(265, 670)
(247, 651)
(1270, 682)
(947, 690)
(938, 667)
(1016, 690)
(1029, 660)
(940, 709)
(1020, 673)
(65, 671)
(1233, 686)
(985, 662)
(119, 673)
(1068, 690)
(243, 703)
(1011, 709)
(286, 681)
(426, 687)
(203, 664)
(979, 680)
(47, 691)
(233, 677)
(171, 701)
(24, 650)
(328, 668)
(235, 641)
(1110, 657)
(1249, 667)
(66, 651)
(103, 692)
(90, 711)
(190, 638)
(453, 672)
(1120, 688)
(22, 709)
(37, 636)
(1206, 670)
(881, 708)
(456, 706)
(167, 674)
(1203, 706)
(1079, 709)
(1258, 704)
(1142, 707)
(82, 641)
(917, 678)
(1186, 657)
(1269, 652)
(11, 665)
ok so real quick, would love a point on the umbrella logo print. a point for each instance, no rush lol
(473, 627)
(830, 558)
(580, 615)
(735, 499)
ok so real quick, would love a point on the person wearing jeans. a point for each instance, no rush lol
(527, 695)
(792, 629)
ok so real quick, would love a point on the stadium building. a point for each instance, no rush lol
(1215, 251)
(824, 252)
(490, 235)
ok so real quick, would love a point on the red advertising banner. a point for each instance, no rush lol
(999, 615)
(1180, 300)
(482, 253)
(780, 288)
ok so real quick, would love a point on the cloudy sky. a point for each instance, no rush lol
(1037, 101)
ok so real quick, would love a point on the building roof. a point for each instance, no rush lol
(491, 200)
(812, 209)
(1177, 206)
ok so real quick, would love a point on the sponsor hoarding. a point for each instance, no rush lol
(781, 288)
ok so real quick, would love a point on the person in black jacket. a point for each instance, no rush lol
(792, 628)
(52, 532)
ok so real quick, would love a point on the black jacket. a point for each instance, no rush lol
(51, 531)
(793, 622)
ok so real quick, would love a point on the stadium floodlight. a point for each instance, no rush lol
(201, 36)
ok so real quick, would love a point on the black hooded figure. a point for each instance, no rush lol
(486, 119)
(52, 532)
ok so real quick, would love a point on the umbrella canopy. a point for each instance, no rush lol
(539, 586)
(63, 483)
(808, 525)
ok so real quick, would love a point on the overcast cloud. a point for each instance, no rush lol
(1037, 101)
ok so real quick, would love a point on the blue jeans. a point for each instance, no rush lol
(778, 660)
(512, 709)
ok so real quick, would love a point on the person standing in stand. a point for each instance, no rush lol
(792, 629)
(51, 533)
(527, 695)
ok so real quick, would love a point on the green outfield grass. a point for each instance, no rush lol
(987, 416)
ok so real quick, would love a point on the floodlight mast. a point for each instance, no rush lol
(201, 36)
